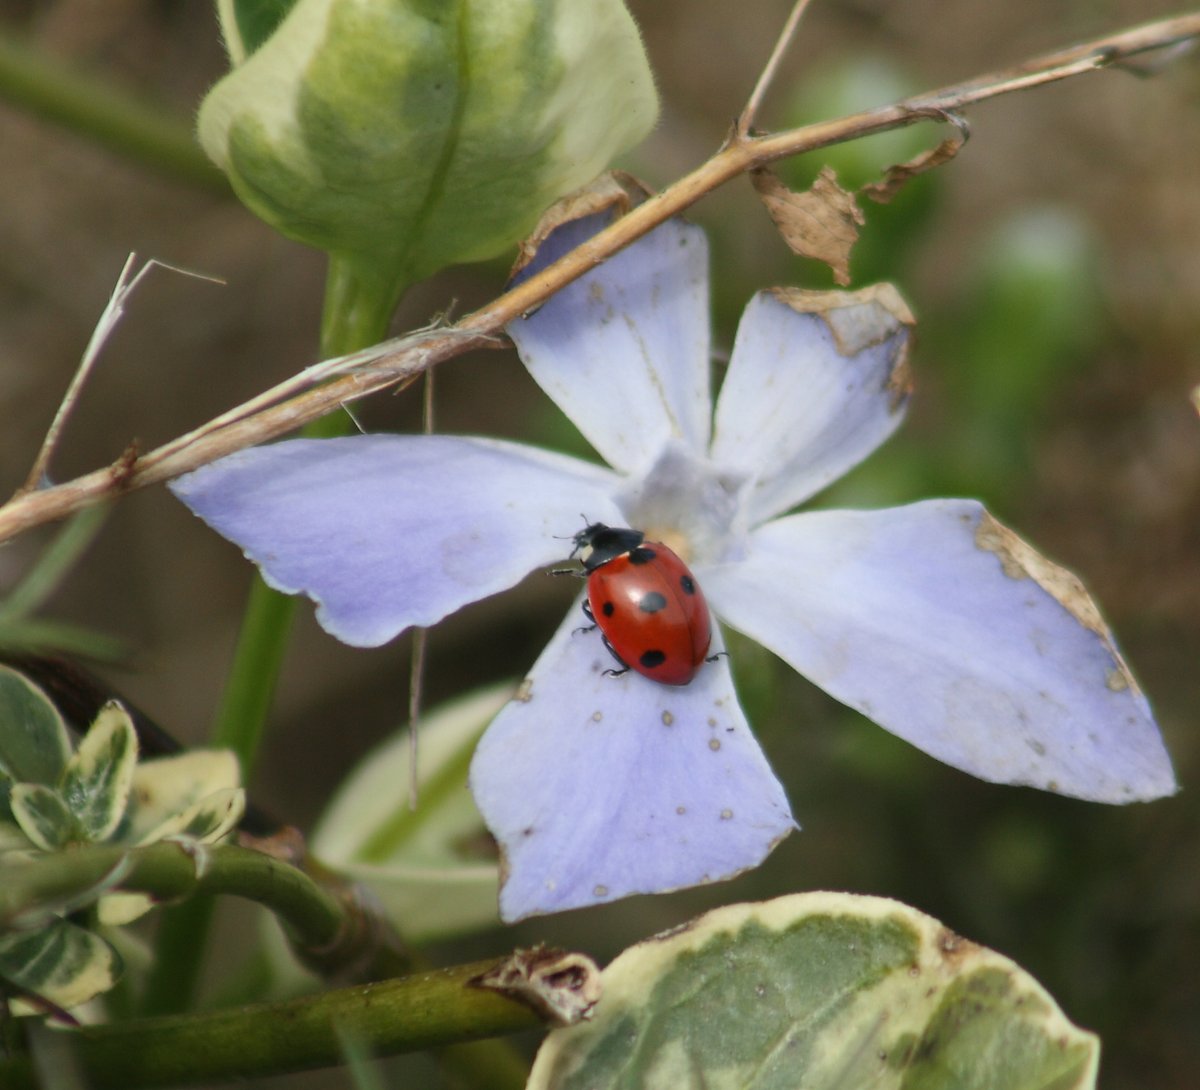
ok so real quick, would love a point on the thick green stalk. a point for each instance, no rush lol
(356, 314)
(313, 915)
(408, 1014)
(95, 110)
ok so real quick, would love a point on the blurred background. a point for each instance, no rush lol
(1055, 271)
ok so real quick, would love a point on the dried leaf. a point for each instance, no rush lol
(821, 222)
(614, 190)
(896, 177)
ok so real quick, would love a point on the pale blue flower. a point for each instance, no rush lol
(933, 619)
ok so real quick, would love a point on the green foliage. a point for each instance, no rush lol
(427, 866)
(58, 800)
(62, 962)
(34, 746)
(818, 990)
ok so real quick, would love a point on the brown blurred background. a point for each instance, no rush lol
(1092, 452)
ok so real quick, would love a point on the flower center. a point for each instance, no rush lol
(689, 504)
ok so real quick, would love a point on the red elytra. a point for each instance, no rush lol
(647, 604)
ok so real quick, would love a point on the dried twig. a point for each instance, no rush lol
(746, 118)
(399, 361)
(109, 317)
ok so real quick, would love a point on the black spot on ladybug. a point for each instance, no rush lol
(642, 555)
(652, 602)
(688, 584)
(608, 609)
(651, 659)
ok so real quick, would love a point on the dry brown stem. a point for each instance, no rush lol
(323, 388)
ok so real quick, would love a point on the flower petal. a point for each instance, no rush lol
(624, 350)
(947, 629)
(816, 382)
(389, 531)
(599, 787)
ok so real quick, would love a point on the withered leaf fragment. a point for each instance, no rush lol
(822, 222)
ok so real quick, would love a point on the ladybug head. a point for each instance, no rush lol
(599, 544)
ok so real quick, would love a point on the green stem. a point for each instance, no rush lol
(313, 915)
(93, 109)
(356, 314)
(408, 1014)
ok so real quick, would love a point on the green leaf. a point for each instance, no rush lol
(97, 779)
(419, 863)
(61, 962)
(44, 816)
(54, 563)
(77, 889)
(819, 991)
(165, 788)
(206, 820)
(34, 745)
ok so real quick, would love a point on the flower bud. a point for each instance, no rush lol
(406, 135)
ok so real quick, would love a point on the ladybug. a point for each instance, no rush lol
(648, 606)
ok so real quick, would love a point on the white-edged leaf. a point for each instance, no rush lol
(95, 784)
(818, 991)
(60, 962)
(34, 745)
(206, 820)
(43, 816)
(165, 787)
(418, 863)
(118, 909)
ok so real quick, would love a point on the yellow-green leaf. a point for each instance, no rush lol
(818, 991)
(60, 962)
(43, 816)
(96, 782)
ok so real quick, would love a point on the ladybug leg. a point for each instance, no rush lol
(620, 661)
(587, 612)
(718, 655)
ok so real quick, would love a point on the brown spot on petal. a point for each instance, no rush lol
(1020, 560)
(859, 320)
